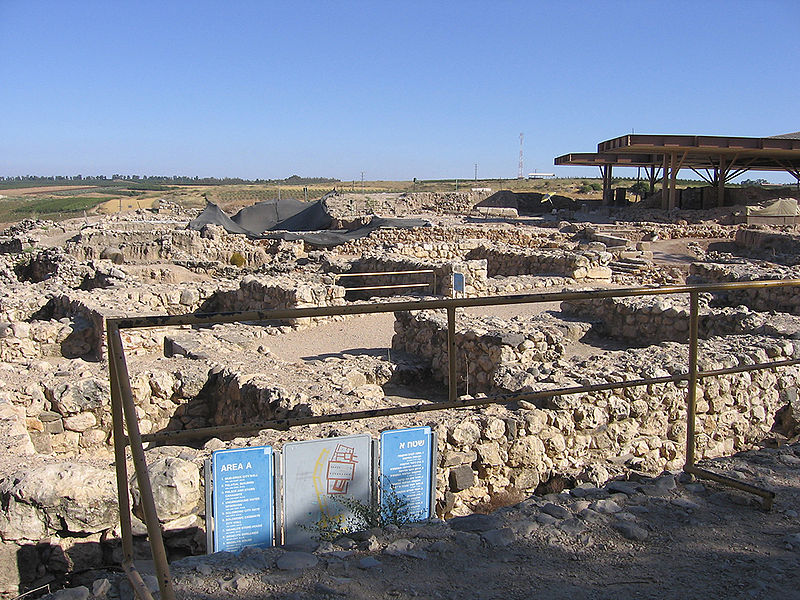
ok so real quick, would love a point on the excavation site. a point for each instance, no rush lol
(563, 357)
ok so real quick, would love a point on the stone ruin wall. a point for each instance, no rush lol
(474, 272)
(212, 245)
(275, 293)
(481, 453)
(485, 348)
(786, 242)
(781, 299)
(508, 261)
(654, 319)
(449, 242)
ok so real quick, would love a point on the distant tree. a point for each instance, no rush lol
(640, 188)
(758, 182)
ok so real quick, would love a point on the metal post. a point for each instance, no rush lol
(723, 171)
(119, 459)
(672, 177)
(451, 353)
(140, 464)
(694, 320)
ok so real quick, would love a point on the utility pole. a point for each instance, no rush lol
(476, 172)
(519, 172)
(362, 182)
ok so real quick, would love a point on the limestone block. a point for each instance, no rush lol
(494, 428)
(465, 433)
(14, 438)
(80, 422)
(527, 451)
(83, 395)
(176, 488)
(489, 454)
(72, 497)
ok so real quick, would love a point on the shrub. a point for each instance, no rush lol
(364, 515)
(237, 259)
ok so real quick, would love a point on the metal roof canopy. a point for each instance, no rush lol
(716, 159)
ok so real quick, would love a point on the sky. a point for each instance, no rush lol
(396, 90)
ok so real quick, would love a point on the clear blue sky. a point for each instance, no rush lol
(394, 89)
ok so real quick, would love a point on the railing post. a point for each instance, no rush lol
(451, 353)
(140, 464)
(119, 454)
(691, 405)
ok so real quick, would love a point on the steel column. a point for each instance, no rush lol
(451, 354)
(117, 355)
(694, 319)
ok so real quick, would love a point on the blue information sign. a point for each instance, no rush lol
(243, 498)
(406, 460)
(458, 282)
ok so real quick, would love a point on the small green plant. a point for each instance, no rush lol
(360, 516)
(237, 259)
(587, 187)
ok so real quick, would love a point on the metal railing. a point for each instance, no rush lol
(124, 409)
(431, 285)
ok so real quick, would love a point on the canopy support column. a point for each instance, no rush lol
(605, 170)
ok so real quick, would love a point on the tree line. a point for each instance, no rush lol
(118, 178)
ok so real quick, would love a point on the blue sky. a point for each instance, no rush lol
(395, 89)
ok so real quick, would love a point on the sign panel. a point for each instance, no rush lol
(243, 498)
(458, 282)
(406, 460)
(315, 474)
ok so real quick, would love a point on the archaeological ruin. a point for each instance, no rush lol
(62, 282)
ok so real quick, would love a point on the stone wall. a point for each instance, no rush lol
(782, 299)
(271, 293)
(581, 266)
(591, 436)
(61, 516)
(213, 244)
(759, 238)
(485, 347)
(645, 320)
(452, 242)
(441, 280)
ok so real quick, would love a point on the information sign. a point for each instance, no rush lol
(406, 460)
(315, 474)
(458, 282)
(243, 498)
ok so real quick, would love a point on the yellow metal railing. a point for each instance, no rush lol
(125, 418)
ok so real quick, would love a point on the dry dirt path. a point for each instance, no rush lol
(368, 334)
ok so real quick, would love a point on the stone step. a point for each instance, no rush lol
(619, 267)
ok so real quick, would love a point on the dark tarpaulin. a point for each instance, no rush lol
(296, 221)
(213, 215)
(263, 216)
(330, 238)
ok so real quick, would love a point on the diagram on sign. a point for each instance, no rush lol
(320, 477)
(333, 473)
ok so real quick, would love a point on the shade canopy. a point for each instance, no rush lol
(716, 159)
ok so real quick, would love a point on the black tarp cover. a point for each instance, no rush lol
(293, 220)
(213, 215)
(264, 216)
